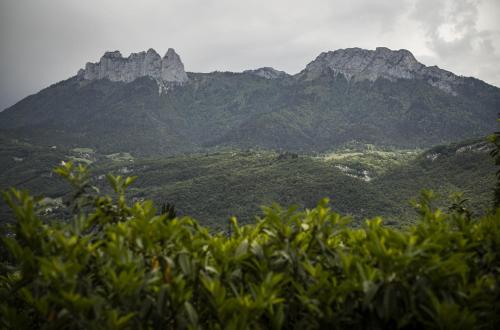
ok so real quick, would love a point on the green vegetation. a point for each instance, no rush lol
(236, 183)
(375, 161)
(241, 111)
(215, 186)
(121, 266)
(120, 157)
(83, 150)
(495, 153)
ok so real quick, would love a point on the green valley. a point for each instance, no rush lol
(361, 180)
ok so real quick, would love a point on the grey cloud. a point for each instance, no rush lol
(452, 34)
(45, 41)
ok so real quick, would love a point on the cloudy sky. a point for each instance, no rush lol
(45, 41)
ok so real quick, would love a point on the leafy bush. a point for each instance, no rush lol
(116, 265)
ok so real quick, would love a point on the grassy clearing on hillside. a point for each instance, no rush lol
(377, 162)
(120, 157)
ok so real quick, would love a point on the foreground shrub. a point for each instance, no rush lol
(119, 266)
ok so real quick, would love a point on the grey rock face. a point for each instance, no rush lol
(113, 66)
(268, 73)
(172, 68)
(357, 64)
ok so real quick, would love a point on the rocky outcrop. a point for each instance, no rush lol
(172, 68)
(357, 64)
(166, 71)
(268, 73)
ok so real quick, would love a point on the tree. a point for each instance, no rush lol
(495, 153)
(169, 210)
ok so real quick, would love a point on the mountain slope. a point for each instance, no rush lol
(146, 105)
(213, 187)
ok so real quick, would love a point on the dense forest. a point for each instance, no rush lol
(361, 180)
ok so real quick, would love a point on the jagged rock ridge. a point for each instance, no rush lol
(355, 64)
(314, 111)
(113, 66)
(267, 73)
(358, 64)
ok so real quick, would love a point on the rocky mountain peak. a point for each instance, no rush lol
(112, 55)
(171, 54)
(357, 64)
(172, 68)
(113, 66)
(151, 51)
(267, 73)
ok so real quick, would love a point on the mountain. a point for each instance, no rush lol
(148, 105)
(268, 73)
(357, 64)
(112, 66)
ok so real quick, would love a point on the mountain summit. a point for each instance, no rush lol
(361, 64)
(113, 66)
(268, 73)
(380, 96)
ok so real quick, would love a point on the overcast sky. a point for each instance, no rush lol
(45, 41)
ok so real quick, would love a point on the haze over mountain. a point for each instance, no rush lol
(148, 105)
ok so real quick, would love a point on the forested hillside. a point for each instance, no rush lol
(360, 180)
(321, 108)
